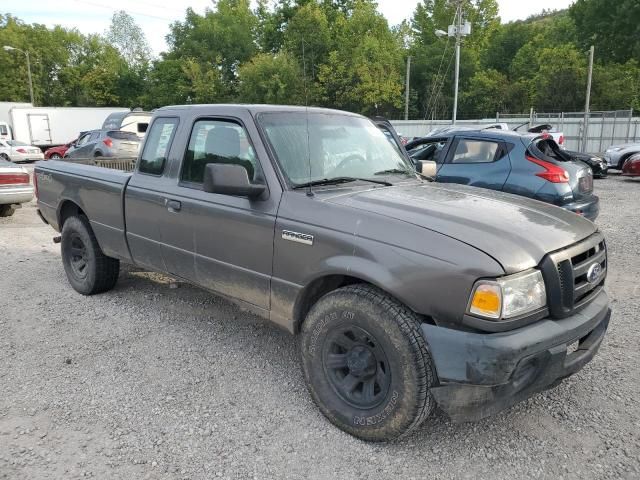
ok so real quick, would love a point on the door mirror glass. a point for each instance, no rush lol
(230, 179)
(428, 168)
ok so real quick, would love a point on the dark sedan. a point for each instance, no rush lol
(533, 166)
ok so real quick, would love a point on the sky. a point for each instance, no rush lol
(154, 16)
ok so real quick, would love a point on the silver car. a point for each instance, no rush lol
(17, 151)
(616, 155)
(104, 143)
(15, 187)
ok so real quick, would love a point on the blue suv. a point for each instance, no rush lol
(533, 166)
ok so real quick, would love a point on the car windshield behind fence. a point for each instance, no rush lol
(316, 146)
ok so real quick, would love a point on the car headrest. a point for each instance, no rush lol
(223, 141)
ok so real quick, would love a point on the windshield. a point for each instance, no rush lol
(16, 143)
(334, 146)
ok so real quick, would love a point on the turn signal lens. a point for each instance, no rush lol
(486, 300)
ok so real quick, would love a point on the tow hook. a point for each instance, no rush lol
(57, 239)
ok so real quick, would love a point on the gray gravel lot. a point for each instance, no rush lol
(150, 381)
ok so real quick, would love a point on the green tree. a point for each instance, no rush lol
(612, 26)
(485, 94)
(224, 37)
(271, 78)
(363, 75)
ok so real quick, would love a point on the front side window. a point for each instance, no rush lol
(219, 141)
(3, 130)
(83, 139)
(94, 136)
(156, 148)
(316, 146)
(475, 151)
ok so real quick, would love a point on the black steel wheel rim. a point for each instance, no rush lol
(78, 256)
(356, 367)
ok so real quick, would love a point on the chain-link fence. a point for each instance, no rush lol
(603, 128)
(125, 164)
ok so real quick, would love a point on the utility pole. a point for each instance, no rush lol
(457, 80)
(587, 105)
(406, 89)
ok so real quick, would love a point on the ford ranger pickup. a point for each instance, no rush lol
(405, 293)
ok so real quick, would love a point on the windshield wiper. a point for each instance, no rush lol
(338, 180)
(408, 172)
(391, 171)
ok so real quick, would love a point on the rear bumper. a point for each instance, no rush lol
(482, 374)
(16, 195)
(589, 208)
(27, 157)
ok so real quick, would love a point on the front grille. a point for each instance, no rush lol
(566, 275)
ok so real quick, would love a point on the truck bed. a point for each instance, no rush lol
(97, 191)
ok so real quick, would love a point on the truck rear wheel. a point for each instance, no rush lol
(366, 363)
(88, 270)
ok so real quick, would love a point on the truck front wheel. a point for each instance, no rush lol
(88, 270)
(366, 363)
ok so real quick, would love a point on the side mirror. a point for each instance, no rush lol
(230, 179)
(428, 168)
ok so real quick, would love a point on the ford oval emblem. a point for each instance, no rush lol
(594, 273)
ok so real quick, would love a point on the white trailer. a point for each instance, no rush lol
(49, 126)
(5, 118)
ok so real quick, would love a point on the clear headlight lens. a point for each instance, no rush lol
(508, 297)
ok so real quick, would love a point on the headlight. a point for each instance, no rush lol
(508, 297)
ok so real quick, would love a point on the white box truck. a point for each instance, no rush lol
(46, 127)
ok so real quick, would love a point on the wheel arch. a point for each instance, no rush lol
(68, 208)
(331, 281)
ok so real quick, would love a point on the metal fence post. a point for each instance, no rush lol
(601, 131)
(629, 125)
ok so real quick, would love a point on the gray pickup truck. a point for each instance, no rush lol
(405, 293)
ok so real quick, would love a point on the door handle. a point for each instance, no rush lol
(173, 205)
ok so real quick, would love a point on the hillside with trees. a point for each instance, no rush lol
(337, 53)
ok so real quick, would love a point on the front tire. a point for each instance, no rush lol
(88, 270)
(55, 156)
(366, 363)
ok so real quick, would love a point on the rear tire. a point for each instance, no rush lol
(88, 270)
(7, 210)
(366, 363)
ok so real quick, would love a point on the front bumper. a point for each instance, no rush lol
(16, 195)
(482, 374)
(589, 208)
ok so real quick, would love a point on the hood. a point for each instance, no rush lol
(516, 231)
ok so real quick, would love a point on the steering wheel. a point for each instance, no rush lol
(350, 160)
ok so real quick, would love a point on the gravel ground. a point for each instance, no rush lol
(153, 381)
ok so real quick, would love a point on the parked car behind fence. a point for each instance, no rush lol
(616, 155)
(530, 165)
(104, 143)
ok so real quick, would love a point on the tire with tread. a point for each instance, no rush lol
(406, 401)
(7, 210)
(100, 273)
